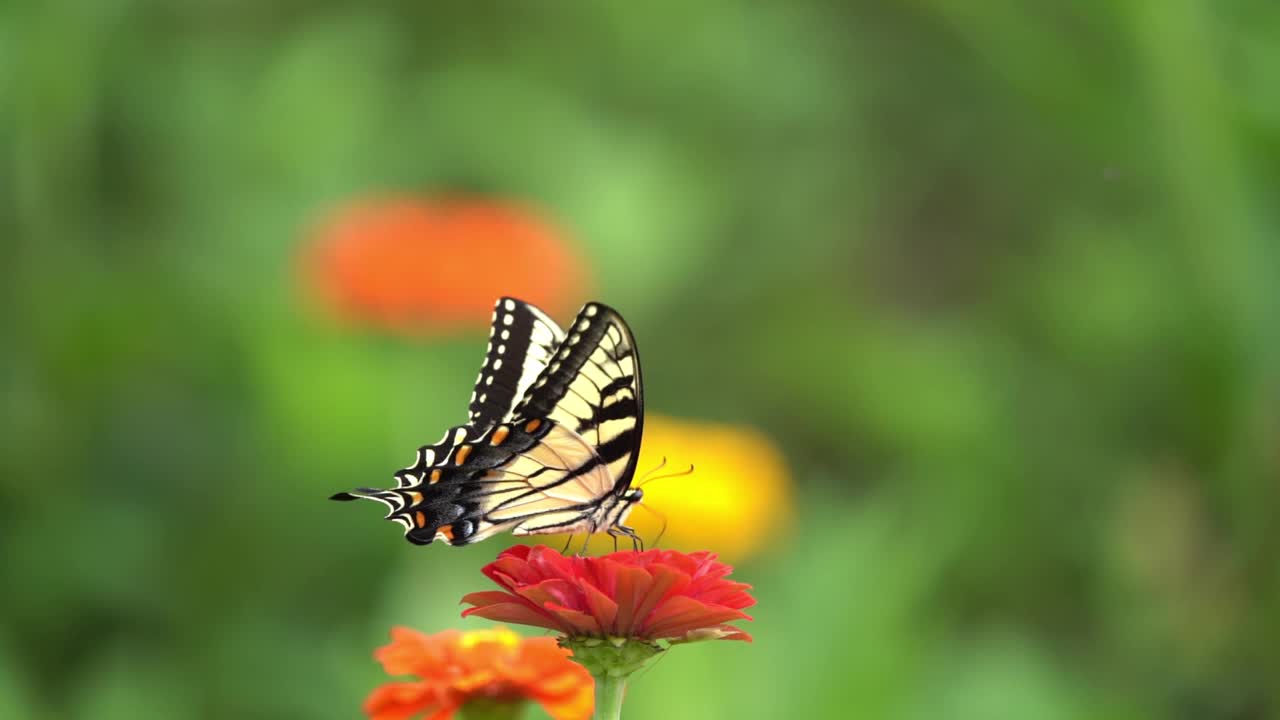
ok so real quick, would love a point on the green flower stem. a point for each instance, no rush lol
(609, 692)
(611, 661)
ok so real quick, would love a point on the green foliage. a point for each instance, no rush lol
(1000, 277)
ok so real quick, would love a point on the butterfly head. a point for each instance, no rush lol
(625, 503)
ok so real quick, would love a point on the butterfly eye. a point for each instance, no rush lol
(635, 495)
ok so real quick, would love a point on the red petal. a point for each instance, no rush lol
(517, 613)
(548, 563)
(560, 592)
(516, 551)
(681, 615)
(582, 623)
(603, 609)
(625, 584)
(487, 597)
(664, 584)
(510, 573)
(726, 593)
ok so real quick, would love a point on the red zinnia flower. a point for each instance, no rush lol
(486, 667)
(437, 264)
(647, 596)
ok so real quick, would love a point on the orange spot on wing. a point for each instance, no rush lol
(532, 425)
(421, 518)
(416, 497)
(499, 435)
(435, 476)
(447, 532)
(461, 456)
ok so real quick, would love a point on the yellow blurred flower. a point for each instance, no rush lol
(735, 501)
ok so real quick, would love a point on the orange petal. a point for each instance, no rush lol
(400, 701)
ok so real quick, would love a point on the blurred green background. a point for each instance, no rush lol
(1000, 278)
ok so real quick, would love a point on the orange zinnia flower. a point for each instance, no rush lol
(650, 595)
(435, 265)
(494, 667)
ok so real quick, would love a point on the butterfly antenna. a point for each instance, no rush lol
(646, 480)
(656, 469)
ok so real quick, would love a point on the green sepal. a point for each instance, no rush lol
(614, 657)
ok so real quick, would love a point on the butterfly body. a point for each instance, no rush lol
(551, 445)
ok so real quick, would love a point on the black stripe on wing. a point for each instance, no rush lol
(522, 340)
(593, 386)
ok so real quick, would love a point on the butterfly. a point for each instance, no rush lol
(551, 443)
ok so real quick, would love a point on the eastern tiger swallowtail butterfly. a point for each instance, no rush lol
(551, 444)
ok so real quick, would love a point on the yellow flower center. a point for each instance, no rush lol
(496, 636)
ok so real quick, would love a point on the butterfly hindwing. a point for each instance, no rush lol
(522, 340)
(446, 493)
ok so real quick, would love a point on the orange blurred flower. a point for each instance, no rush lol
(432, 265)
(487, 667)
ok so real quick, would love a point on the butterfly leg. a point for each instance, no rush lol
(636, 543)
(567, 543)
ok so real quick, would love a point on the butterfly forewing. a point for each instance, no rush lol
(593, 387)
(522, 341)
